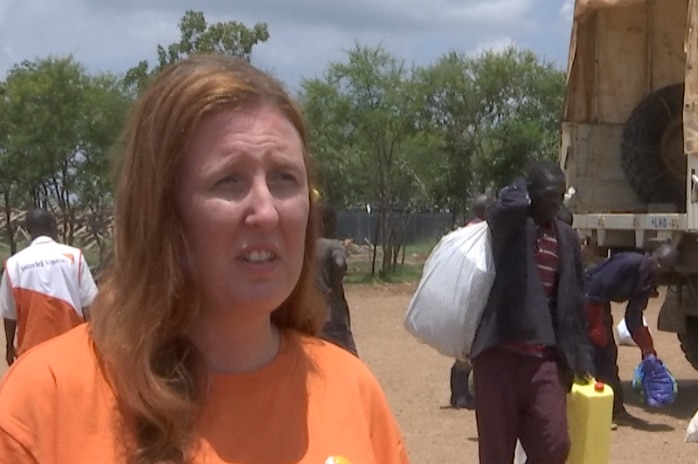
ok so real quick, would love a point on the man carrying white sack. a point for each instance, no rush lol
(531, 341)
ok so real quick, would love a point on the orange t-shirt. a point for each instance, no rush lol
(314, 401)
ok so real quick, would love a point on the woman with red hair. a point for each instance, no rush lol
(202, 345)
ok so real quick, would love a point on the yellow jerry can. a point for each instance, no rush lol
(589, 415)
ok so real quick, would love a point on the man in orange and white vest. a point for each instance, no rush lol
(46, 288)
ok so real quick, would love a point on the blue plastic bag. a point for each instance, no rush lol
(654, 383)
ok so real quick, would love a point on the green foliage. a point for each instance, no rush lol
(106, 109)
(60, 123)
(197, 36)
(361, 122)
(448, 111)
(428, 138)
(358, 120)
(492, 113)
(383, 134)
(327, 112)
(421, 250)
(360, 273)
(59, 127)
(231, 38)
(44, 100)
(522, 98)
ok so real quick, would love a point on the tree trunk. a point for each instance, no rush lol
(8, 222)
(386, 243)
(454, 215)
(375, 247)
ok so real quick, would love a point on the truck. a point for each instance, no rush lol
(629, 140)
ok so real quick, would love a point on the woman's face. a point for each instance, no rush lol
(244, 203)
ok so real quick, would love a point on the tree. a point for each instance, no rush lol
(493, 113)
(45, 103)
(231, 38)
(105, 110)
(522, 99)
(327, 112)
(60, 125)
(7, 184)
(449, 110)
(360, 117)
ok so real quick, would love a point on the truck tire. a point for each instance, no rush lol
(689, 341)
(652, 148)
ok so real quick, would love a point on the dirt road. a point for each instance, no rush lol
(415, 378)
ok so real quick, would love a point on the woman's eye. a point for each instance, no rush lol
(285, 177)
(228, 180)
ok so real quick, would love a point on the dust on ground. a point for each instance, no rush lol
(416, 381)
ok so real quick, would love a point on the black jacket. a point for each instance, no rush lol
(517, 297)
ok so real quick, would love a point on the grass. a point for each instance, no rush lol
(421, 249)
(359, 272)
(5, 251)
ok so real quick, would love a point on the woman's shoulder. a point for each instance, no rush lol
(323, 350)
(332, 360)
(343, 376)
(55, 396)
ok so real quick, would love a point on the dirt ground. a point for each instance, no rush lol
(416, 381)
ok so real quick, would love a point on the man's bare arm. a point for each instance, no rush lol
(10, 329)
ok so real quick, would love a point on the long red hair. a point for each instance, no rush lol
(146, 302)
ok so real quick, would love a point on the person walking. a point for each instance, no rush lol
(532, 340)
(46, 288)
(202, 345)
(332, 266)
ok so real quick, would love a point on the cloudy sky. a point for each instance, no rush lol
(305, 35)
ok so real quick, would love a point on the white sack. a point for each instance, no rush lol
(623, 336)
(445, 310)
(692, 430)
(519, 454)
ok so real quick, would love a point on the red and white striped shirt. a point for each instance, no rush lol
(547, 258)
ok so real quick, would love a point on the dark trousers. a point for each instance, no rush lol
(606, 362)
(460, 396)
(520, 396)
